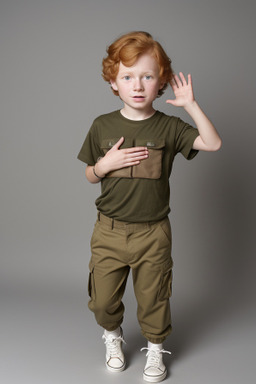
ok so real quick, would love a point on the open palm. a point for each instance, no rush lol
(183, 91)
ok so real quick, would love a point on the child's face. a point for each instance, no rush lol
(138, 85)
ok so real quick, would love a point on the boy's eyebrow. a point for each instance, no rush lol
(123, 72)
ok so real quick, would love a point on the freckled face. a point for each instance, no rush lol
(138, 85)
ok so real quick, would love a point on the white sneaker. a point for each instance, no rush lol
(155, 370)
(115, 361)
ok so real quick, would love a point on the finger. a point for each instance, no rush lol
(178, 81)
(119, 143)
(135, 150)
(135, 158)
(130, 164)
(174, 87)
(183, 79)
(173, 82)
(172, 102)
(189, 79)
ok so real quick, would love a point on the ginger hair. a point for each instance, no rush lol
(127, 50)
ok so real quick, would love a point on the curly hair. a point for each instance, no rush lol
(127, 50)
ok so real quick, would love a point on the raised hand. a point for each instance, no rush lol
(117, 158)
(183, 91)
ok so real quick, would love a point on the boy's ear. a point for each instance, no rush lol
(113, 85)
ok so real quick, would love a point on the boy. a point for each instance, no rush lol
(131, 152)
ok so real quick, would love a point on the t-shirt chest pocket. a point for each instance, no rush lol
(151, 168)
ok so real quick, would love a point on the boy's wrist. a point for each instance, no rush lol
(98, 172)
(95, 174)
(191, 106)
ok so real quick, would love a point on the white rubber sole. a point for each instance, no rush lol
(110, 369)
(155, 379)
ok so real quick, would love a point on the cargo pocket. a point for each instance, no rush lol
(150, 168)
(91, 284)
(106, 145)
(165, 289)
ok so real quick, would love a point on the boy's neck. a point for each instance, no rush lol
(137, 114)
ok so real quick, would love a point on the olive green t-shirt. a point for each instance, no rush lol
(139, 193)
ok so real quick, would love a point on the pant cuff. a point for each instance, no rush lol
(157, 339)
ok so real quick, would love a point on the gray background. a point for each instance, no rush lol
(51, 90)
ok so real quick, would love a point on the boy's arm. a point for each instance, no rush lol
(115, 159)
(208, 139)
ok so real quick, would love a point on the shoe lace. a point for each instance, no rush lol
(113, 344)
(153, 356)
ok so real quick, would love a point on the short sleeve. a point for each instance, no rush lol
(184, 139)
(90, 150)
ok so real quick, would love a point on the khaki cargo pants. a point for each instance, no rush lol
(145, 248)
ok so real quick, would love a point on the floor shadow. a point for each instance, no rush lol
(227, 294)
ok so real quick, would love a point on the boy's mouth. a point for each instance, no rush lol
(138, 97)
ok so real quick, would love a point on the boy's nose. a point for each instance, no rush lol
(138, 86)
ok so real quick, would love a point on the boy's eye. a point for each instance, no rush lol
(148, 77)
(127, 77)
